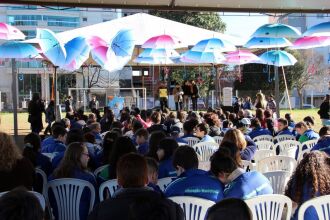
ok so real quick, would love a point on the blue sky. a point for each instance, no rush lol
(243, 24)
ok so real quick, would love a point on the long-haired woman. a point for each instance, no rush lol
(310, 179)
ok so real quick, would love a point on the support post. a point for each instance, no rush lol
(277, 92)
(14, 96)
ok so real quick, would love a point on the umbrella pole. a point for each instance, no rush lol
(286, 89)
(277, 91)
(14, 96)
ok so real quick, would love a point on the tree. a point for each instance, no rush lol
(207, 20)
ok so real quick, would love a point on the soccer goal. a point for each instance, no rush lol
(133, 97)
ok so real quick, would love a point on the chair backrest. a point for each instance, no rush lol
(321, 205)
(302, 153)
(263, 138)
(288, 148)
(277, 163)
(39, 196)
(67, 193)
(99, 170)
(265, 145)
(261, 154)
(205, 150)
(111, 186)
(43, 178)
(193, 208)
(284, 137)
(309, 144)
(204, 165)
(191, 140)
(218, 139)
(247, 165)
(278, 180)
(270, 207)
(164, 182)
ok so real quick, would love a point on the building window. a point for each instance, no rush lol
(29, 34)
(84, 19)
(136, 73)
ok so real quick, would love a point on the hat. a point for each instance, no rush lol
(246, 121)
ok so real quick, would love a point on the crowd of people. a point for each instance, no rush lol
(142, 146)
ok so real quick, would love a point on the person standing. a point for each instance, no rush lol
(324, 111)
(68, 104)
(36, 108)
(177, 93)
(186, 94)
(194, 95)
(93, 104)
(271, 104)
(260, 101)
(162, 90)
(50, 116)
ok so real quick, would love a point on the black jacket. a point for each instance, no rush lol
(137, 204)
(324, 110)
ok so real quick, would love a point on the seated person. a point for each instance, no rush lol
(305, 133)
(202, 131)
(134, 200)
(192, 181)
(96, 130)
(51, 139)
(153, 174)
(156, 119)
(165, 153)
(74, 165)
(323, 143)
(20, 204)
(175, 132)
(59, 134)
(226, 125)
(283, 127)
(311, 179)
(244, 126)
(141, 138)
(257, 130)
(238, 183)
(188, 128)
(233, 209)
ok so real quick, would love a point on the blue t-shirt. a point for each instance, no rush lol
(259, 131)
(207, 138)
(323, 145)
(197, 183)
(248, 185)
(143, 148)
(46, 142)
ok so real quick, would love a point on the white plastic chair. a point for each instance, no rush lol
(194, 208)
(263, 138)
(270, 207)
(67, 194)
(205, 150)
(247, 164)
(277, 163)
(164, 182)
(39, 196)
(284, 137)
(111, 186)
(309, 144)
(42, 174)
(278, 180)
(302, 153)
(261, 154)
(288, 148)
(204, 165)
(218, 139)
(265, 145)
(321, 205)
(191, 140)
(99, 170)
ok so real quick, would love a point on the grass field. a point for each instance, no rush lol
(7, 121)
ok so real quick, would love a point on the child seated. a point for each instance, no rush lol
(152, 167)
(142, 140)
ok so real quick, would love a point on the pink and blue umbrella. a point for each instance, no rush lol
(161, 41)
(213, 44)
(19, 50)
(277, 31)
(99, 49)
(241, 57)
(322, 29)
(8, 32)
(159, 53)
(311, 42)
(278, 58)
(267, 42)
(154, 60)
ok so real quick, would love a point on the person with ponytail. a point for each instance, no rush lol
(238, 183)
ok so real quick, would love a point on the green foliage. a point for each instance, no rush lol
(206, 20)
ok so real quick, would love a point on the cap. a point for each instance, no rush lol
(246, 121)
(175, 130)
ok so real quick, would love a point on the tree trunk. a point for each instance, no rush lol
(300, 98)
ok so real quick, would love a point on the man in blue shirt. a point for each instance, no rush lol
(192, 181)
(283, 127)
(257, 130)
(59, 135)
(202, 131)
